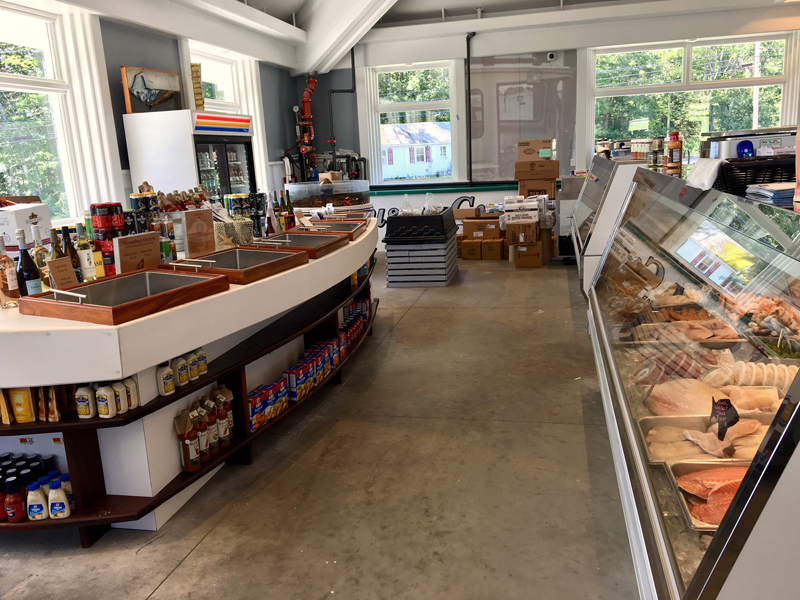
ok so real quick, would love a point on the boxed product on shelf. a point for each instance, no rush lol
(266, 402)
(22, 216)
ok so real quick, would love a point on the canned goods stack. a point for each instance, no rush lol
(258, 214)
(108, 222)
(146, 204)
(237, 205)
(169, 250)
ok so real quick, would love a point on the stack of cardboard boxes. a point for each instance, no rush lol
(536, 170)
(482, 237)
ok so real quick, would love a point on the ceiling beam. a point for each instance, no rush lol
(333, 28)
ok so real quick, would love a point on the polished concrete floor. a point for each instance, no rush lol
(464, 456)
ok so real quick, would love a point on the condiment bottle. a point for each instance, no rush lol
(120, 397)
(87, 405)
(227, 399)
(181, 370)
(37, 503)
(222, 425)
(202, 361)
(52, 476)
(133, 392)
(15, 501)
(57, 502)
(190, 451)
(165, 380)
(66, 485)
(191, 363)
(674, 150)
(106, 402)
(203, 442)
(211, 419)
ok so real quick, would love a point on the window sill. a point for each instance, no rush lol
(442, 188)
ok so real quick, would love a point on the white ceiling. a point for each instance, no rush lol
(280, 9)
(407, 11)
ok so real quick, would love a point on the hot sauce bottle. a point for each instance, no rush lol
(15, 501)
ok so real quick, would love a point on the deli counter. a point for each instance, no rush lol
(695, 323)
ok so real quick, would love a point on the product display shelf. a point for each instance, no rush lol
(117, 509)
(292, 325)
(96, 510)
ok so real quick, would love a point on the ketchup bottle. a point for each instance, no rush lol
(190, 451)
(15, 501)
(202, 437)
(3, 515)
(213, 433)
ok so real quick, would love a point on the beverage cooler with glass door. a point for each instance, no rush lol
(181, 149)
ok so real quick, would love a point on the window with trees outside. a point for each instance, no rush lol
(216, 74)
(30, 160)
(689, 88)
(410, 113)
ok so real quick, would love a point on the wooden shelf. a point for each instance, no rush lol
(292, 325)
(118, 509)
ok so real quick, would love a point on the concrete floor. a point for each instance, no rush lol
(465, 456)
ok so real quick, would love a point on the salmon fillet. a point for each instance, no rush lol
(702, 483)
(719, 500)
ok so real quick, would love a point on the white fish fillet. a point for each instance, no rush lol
(682, 397)
(665, 434)
(674, 450)
(710, 444)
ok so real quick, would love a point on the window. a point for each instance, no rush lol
(217, 76)
(30, 158)
(443, 151)
(691, 88)
(410, 111)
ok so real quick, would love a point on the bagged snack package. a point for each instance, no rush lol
(53, 414)
(6, 414)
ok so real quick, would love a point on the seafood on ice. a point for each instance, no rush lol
(752, 374)
(694, 397)
(712, 492)
(742, 440)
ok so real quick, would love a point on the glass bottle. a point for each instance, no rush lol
(69, 250)
(9, 287)
(40, 256)
(84, 249)
(28, 277)
(55, 247)
(283, 208)
(289, 206)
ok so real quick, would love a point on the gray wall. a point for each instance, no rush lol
(279, 95)
(345, 110)
(129, 46)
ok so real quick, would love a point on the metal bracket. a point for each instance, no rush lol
(80, 297)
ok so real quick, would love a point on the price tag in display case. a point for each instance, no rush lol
(61, 273)
(198, 227)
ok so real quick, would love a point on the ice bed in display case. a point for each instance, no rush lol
(696, 333)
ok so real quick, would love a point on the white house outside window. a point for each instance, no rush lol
(714, 85)
(31, 141)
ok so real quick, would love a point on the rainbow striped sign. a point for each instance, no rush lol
(214, 123)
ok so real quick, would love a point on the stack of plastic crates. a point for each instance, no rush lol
(421, 250)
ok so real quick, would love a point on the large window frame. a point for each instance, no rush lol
(55, 86)
(369, 110)
(228, 106)
(686, 84)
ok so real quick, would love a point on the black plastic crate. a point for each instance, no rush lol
(737, 173)
(422, 228)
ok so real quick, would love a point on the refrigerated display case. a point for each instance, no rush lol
(596, 212)
(695, 327)
(225, 166)
(182, 149)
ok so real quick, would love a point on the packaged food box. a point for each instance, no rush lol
(536, 169)
(471, 249)
(296, 377)
(492, 249)
(257, 402)
(540, 149)
(482, 229)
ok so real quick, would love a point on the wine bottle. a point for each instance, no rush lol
(9, 288)
(28, 277)
(40, 256)
(55, 251)
(84, 249)
(69, 250)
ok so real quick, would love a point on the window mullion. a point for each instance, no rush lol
(687, 64)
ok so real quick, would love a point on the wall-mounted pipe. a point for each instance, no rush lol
(351, 90)
(468, 64)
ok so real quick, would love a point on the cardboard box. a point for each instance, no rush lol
(542, 149)
(471, 249)
(459, 242)
(522, 206)
(332, 175)
(522, 216)
(536, 169)
(506, 247)
(482, 229)
(492, 249)
(466, 213)
(522, 233)
(22, 216)
(537, 187)
(528, 256)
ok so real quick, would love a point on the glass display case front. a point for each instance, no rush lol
(590, 198)
(697, 311)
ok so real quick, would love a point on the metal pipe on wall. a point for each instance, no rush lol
(467, 65)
